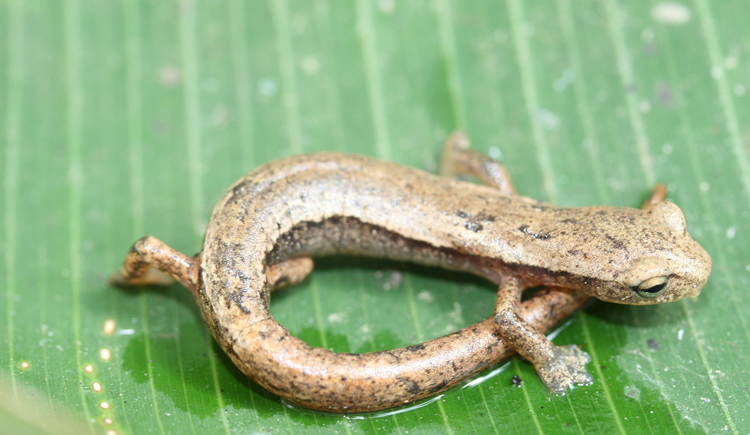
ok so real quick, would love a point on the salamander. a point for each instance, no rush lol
(265, 230)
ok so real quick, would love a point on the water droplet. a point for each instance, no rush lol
(310, 64)
(425, 296)
(562, 82)
(548, 119)
(495, 152)
(267, 87)
(109, 327)
(387, 6)
(336, 317)
(170, 76)
(671, 13)
(730, 62)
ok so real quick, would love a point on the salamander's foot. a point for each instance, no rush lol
(566, 369)
(459, 159)
(150, 277)
(151, 261)
(289, 272)
(451, 161)
(658, 195)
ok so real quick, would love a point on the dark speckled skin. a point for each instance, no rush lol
(270, 222)
(330, 203)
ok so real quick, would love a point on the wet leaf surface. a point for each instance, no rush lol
(131, 118)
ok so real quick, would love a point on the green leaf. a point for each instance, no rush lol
(121, 119)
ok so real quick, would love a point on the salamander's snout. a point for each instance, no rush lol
(666, 276)
(699, 270)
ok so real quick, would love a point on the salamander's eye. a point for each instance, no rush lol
(651, 287)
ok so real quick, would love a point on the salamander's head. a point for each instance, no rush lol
(659, 261)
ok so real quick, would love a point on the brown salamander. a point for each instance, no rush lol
(269, 224)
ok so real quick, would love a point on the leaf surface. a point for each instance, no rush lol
(121, 119)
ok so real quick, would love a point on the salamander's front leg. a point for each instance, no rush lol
(560, 367)
(458, 158)
(151, 261)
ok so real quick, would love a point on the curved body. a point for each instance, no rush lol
(323, 204)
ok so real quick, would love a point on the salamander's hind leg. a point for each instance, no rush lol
(151, 261)
(289, 272)
(458, 158)
(560, 367)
